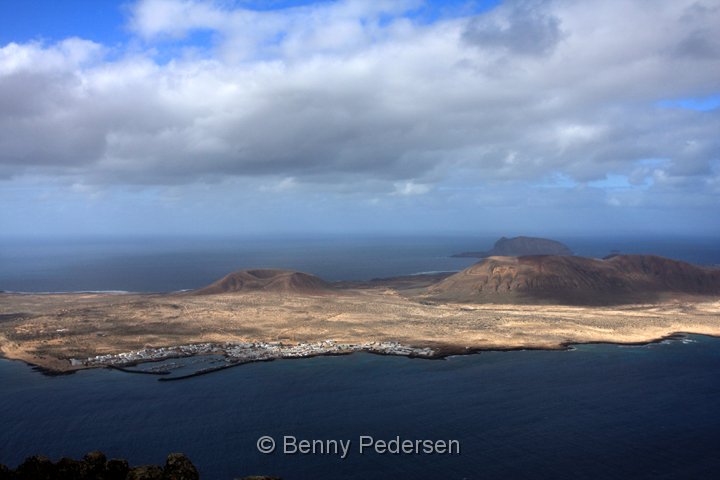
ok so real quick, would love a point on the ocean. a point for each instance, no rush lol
(597, 412)
(162, 264)
(594, 412)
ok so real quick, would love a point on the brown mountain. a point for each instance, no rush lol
(518, 246)
(576, 280)
(282, 281)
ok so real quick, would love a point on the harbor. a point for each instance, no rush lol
(233, 354)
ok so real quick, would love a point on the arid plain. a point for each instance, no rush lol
(49, 329)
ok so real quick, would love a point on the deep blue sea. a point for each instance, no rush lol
(596, 412)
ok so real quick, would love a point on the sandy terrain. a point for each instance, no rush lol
(47, 330)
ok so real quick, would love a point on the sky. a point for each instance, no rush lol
(390, 117)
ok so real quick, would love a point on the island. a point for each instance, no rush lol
(519, 246)
(499, 303)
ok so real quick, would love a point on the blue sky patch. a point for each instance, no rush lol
(701, 104)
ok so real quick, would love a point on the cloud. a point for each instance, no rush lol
(356, 97)
(287, 183)
(521, 27)
(250, 34)
(410, 188)
(174, 18)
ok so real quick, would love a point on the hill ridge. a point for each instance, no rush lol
(575, 280)
(267, 280)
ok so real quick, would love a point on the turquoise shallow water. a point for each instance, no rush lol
(600, 411)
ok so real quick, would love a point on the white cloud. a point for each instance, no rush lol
(68, 54)
(284, 185)
(336, 94)
(410, 188)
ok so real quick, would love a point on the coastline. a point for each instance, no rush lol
(437, 354)
(442, 355)
(59, 334)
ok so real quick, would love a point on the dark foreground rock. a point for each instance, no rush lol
(95, 466)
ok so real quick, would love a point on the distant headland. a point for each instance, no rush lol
(519, 246)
